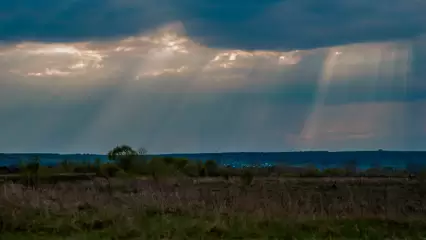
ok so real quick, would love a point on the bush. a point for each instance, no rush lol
(126, 162)
(67, 166)
(158, 168)
(191, 170)
(4, 170)
(247, 177)
(335, 172)
(311, 171)
(201, 169)
(373, 172)
(225, 173)
(85, 168)
(109, 170)
(122, 174)
(421, 175)
(44, 171)
(211, 168)
(177, 163)
(140, 167)
(33, 166)
(181, 163)
(29, 172)
(168, 160)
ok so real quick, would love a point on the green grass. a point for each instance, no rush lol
(186, 227)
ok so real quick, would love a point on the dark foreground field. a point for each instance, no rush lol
(215, 209)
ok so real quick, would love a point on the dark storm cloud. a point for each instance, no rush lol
(305, 24)
(71, 20)
(249, 24)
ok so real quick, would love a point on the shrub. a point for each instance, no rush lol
(140, 166)
(211, 168)
(168, 160)
(191, 170)
(158, 168)
(4, 170)
(334, 172)
(85, 167)
(33, 166)
(44, 171)
(122, 174)
(126, 162)
(201, 169)
(67, 166)
(247, 177)
(373, 172)
(225, 173)
(29, 171)
(177, 163)
(109, 170)
(181, 163)
(421, 175)
(310, 171)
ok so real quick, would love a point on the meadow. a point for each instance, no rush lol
(167, 198)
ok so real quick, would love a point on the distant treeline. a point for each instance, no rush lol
(123, 161)
(409, 160)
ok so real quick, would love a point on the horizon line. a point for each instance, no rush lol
(231, 152)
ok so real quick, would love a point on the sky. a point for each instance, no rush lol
(194, 76)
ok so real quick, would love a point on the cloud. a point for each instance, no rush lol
(72, 20)
(160, 88)
(167, 60)
(270, 24)
(308, 24)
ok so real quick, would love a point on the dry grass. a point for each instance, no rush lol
(128, 208)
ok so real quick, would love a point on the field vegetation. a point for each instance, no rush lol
(135, 197)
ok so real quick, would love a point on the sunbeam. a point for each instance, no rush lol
(162, 86)
(310, 129)
(378, 71)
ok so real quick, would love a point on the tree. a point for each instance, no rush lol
(121, 151)
(142, 151)
(123, 155)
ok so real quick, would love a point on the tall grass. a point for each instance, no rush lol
(134, 207)
(132, 197)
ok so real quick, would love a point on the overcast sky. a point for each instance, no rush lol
(212, 76)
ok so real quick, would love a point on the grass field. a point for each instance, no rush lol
(215, 208)
(132, 197)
